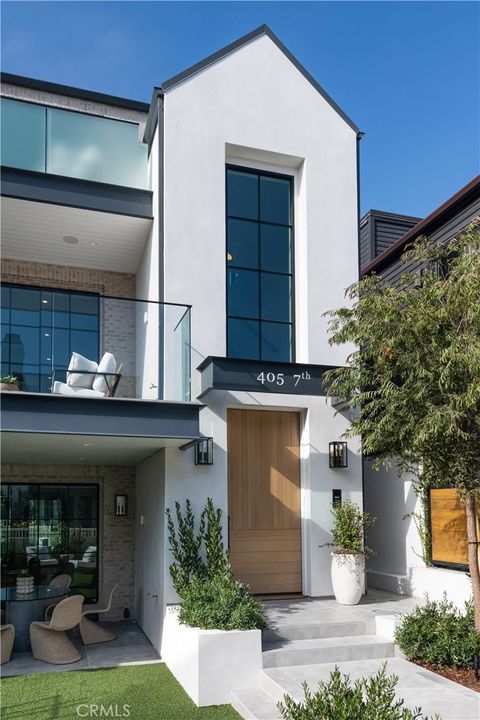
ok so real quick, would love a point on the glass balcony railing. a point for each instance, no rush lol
(42, 329)
(73, 144)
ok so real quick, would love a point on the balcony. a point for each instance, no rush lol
(42, 328)
(60, 142)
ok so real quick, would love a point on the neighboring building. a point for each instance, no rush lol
(199, 239)
(379, 231)
(398, 564)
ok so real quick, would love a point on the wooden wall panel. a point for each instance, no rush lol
(449, 527)
(264, 499)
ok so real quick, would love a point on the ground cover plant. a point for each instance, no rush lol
(150, 692)
(371, 698)
(439, 634)
(220, 603)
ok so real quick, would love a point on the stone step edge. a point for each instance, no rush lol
(319, 630)
(244, 709)
(326, 642)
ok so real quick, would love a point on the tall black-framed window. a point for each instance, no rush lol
(41, 327)
(51, 529)
(260, 314)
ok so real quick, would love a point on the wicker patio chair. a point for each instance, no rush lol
(63, 582)
(49, 640)
(7, 635)
(92, 632)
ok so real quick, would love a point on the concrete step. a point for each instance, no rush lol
(253, 703)
(311, 631)
(325, 650)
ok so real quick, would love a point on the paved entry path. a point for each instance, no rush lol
(306, 639)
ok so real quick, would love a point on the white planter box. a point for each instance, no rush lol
(209, 663)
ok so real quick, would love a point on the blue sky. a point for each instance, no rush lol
(407, 73)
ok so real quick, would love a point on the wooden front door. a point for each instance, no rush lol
(264, 499)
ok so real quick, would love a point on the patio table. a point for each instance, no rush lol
(23, 609)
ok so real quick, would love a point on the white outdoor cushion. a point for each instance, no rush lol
(61, 388)
(107, 364)
(78, 362)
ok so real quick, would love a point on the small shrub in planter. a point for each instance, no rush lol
(220, 603)
(349, 551)
(370, 698)
(9, 382)
(439, 634)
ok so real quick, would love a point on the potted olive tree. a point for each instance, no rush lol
(9, 382)
(349, 551)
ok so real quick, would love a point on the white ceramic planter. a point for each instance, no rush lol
(348, 578)
(208, 664)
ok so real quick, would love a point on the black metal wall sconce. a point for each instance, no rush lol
(203, 450)
(121, 505)
(337, 454)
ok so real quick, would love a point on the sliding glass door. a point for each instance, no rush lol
(50, 529)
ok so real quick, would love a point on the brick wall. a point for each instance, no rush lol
(66, 277)
(117, 333)
(116, 555)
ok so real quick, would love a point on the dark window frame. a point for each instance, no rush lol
(95, 485)
(63, 291)
(259, 172)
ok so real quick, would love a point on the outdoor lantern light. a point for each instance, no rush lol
(204, 451)
(121, 505)
(337, 454)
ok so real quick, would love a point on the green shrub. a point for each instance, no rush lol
(196, 553)
(220, 603)
(349, 528)
(216, 555)
(370, 698)
(185, 545)
(439, 634)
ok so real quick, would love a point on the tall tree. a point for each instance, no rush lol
(414, 379)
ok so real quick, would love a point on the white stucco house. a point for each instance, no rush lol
(198, 239)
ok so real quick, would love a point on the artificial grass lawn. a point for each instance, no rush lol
(150, 691)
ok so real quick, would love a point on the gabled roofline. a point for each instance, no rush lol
(228, 50)
(388, 216)
(67, 90)
(425, 226)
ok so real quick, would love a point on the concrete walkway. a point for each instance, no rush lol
(306, 639)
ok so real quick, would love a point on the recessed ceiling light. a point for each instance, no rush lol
(47, 334)
(45, 302)
(92, 243)
(87, 444)
(82, 458)
(70, 239)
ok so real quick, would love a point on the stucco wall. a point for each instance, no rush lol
(320, 424)
(255, 109)
(149, 546)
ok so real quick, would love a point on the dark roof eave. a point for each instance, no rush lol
(67, 90)
(438, 216)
